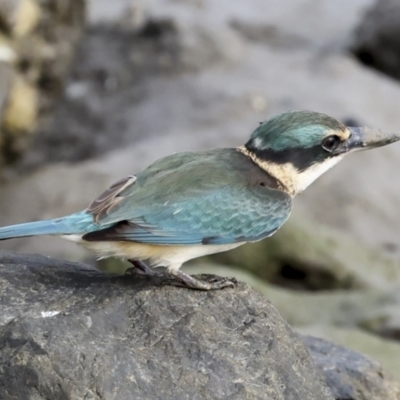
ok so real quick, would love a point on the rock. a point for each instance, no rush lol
(361, 320)
(385, 352)
(376, 40)
(21, 111)
(20, 17)
(373, 310)
(37, 42)
(113, 67)
(70, 332)
(350, 375)
(291, 21)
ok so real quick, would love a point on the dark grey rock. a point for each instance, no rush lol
(68, 332)
(350, 375)
(109, 77)
(377, 39)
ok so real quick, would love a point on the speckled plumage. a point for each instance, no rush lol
(213, 197)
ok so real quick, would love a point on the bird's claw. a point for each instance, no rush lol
(140, 268)
(180, 279)
(230, 282)
(137, 271)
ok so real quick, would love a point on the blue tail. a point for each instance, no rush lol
(80, 222)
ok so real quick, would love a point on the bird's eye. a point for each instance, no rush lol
(330, 143)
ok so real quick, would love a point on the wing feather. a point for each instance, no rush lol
(223, 216)
(214, 197)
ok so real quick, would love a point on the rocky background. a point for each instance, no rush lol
(90, 92)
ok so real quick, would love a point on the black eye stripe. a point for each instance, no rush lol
(299, 157)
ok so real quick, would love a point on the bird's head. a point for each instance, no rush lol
(297, 147)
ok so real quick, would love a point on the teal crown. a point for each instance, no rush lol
(297, 129)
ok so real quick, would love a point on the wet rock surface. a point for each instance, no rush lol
(70, 332)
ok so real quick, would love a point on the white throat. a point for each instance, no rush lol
(292, 179)
(307, 177)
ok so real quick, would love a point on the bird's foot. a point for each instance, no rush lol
(140, 268)
(179, 278)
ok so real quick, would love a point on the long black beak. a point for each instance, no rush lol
(365, 138)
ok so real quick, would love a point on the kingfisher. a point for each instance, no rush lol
(192, 204)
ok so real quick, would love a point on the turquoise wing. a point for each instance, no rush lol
(209, 215)
(213, 197)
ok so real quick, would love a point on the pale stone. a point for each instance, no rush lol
(21, 110)
(26, 18)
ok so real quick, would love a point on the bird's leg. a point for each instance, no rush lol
(179, 278)
(141, 268)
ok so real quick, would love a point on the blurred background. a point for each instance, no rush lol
(91, 91)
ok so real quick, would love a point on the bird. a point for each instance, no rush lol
(192, 204)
